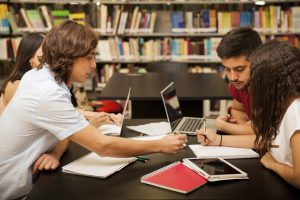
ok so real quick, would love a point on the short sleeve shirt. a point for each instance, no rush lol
(241, 96)
(39, 114)
(288, 126)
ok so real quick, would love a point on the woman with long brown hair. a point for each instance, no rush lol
(275, 92)
(275, 102)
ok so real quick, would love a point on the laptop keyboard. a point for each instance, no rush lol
(191, 125)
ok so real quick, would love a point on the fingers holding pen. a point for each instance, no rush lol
(208, 137)
(202, 137)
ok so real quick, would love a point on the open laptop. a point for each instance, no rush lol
(178, 123)
(113, 129)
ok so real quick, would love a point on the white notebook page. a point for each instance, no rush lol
(96, 166)
(158, 128)
(223, 152)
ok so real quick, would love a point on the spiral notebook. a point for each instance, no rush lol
(96, 166)
(223, 152)
(176, 177)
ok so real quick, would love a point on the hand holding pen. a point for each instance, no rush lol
(207, 137)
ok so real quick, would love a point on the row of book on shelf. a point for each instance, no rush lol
(41, 19)
(271, 18)
(147, 50)
(118, 19)
(167, 48)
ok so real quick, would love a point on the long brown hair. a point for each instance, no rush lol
(63, 44)
(275, 79)
(29, 44)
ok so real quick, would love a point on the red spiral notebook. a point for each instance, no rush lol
(176, 177)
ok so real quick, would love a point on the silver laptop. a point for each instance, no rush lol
(113, 129)
(178, 123)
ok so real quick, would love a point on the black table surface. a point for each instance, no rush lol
(148, 86)
(125, 184)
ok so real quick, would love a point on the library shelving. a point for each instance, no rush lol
(142, 32)
(135, 33)
(20, 16)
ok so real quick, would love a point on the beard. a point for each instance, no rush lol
(241, 85)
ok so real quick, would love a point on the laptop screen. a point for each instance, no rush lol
(171, 105)
(125, 106)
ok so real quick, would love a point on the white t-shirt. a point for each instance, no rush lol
(289, 124)
(39, 114)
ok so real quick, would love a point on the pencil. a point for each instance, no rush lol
(204, 126)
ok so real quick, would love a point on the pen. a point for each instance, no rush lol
(204, 123)
(141, 158)
(204, 126)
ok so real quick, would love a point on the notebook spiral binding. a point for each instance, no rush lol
(160, 170)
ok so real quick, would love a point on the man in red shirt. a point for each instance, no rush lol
(234, 50)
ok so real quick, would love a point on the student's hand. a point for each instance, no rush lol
(45, 162)
(267, 160)
(117, 119)
(100, 118)
(208, 137)
(172, 143)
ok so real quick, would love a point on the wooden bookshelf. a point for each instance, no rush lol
(193, 2)
(51, 1)
(105, 16)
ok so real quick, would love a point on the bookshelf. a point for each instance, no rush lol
(184, 31)
(23, 16)
(134, 33)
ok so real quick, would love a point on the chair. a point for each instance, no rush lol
(166, 67)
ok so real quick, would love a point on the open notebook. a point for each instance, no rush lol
(223, 152)
(96, 166)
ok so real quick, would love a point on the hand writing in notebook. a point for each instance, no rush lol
(208, 137)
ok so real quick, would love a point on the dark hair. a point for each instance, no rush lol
(237, 42)
(26, 50)
(63, 44)
(275, 81)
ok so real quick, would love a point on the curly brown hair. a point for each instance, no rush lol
(63, 44)
(275, 82)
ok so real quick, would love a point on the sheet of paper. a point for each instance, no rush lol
(96, 166)
(148, 137)
(158, 128)
(110, 129)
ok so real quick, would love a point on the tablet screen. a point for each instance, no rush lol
(214, 166)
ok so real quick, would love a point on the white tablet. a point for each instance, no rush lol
(215, 169)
